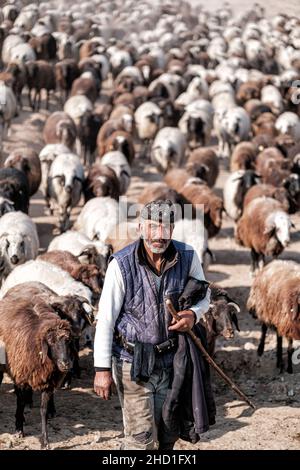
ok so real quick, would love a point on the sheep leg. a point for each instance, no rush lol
(1, 376)
(20, 411)
(254, 261)
(290, 354)
(279, 363)
(47, 99)
(39, 100)
(51, 411)
(43, 410)
(261, 346)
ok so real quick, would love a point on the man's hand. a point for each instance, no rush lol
(187, 321)
(103, 383)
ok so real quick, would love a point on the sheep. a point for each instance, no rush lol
(8, 110)
(271, 96)
(118, 162)
(270, 233)
(54, 277)
(66, 71)
(76, 106)
(159, 191)
(87, 251)
(196, 89)
(232, 126)
(106, 130)
(85, 85)
(247, 91)
(197, 122)
(265, 124)
(19, 241)
(203, 163)
(99, 217)
(168, 149)
(22, 53)
(274, 300)
(60, 128)
(87, 274)
(18, 79)
(65, 183)
(235, 189)
(289, 123)
(120, 141)
(38, 353)
(203, 198)
(272, 166)
(26, 160)
(73, 308)
(14, 191)
(101, 181)
(148, 120)
(267, 190)
(44, 46)
(243, 157)
(125, 116)
(221, 317)
(40, 76)
(255, 108)
(193, 232)
(87, 132)
(9, 43)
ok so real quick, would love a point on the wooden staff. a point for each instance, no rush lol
(200, 346)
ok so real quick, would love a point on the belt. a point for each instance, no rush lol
(158, 348)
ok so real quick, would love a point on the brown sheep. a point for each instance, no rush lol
(248, 91)
(274, 299)
(60, 129)
(263, 141)
(255, 108)
(85, 85)
(243, 157)
(265, 124)
(125, 99)
(203, 163)
(44, 46)
(40, 76)
(101, 181)
(106, 130)
(88, 49)
(19, 79)
(158, 191)
(66, 71)
(38, 353)
(26, 160)
(267, 190)
(269, 235)
(121, 141)
(272, 166)
(125, 115)
(178, 177)
(88, 274)
(200, 194)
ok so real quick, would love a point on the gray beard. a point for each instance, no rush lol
(157, 250)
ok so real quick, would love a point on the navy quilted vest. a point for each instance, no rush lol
(144, 316)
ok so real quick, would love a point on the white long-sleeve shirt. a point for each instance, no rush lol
(110, 304)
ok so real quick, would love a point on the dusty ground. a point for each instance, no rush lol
(84, 421)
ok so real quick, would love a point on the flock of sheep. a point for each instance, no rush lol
(188, 90)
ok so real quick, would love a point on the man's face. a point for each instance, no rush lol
(157, 236)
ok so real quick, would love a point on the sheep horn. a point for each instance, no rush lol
(236, 306)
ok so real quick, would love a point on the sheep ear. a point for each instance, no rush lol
(269, 229)
(44, 351)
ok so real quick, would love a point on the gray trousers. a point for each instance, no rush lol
(141, 405)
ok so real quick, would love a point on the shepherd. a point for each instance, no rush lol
(162, 380)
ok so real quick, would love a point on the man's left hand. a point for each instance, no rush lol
(186, 322)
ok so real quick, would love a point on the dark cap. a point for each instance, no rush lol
(161, 210)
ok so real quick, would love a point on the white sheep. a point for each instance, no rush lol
(99, 217)
(118, 162)
(193, 232)
(270, 95)
(289, 123)
(8, 110)
(232, 126)
(148, 120)
(49, 274)
(168, 149)
(19, 241)
(80, 245)
(198, 110)
(65, 182)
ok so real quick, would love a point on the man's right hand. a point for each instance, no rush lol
(102, 384)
